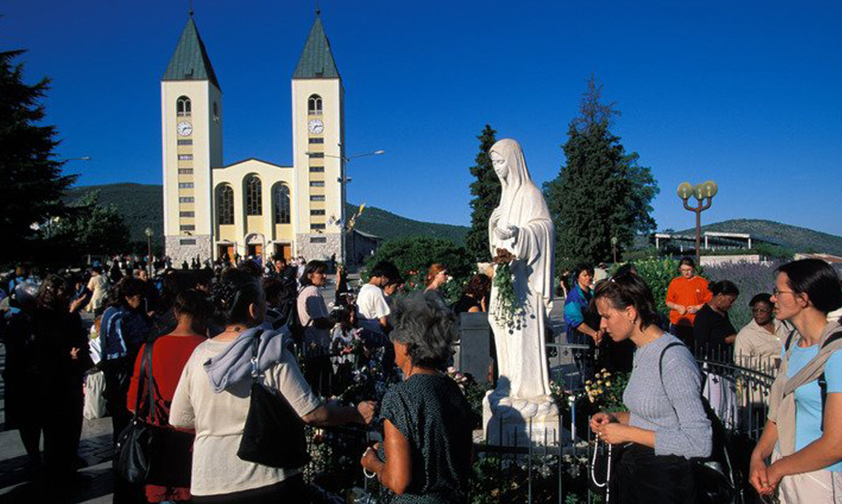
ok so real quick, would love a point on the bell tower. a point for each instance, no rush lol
(191, 125)
(318, 140)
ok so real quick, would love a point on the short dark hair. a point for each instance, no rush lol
(818, 280)
(427, 327)
(273, 289)
(687, 261)
(127, 287)
(232, 296)
(724, 287)
(197, 306)
(577, 270)
(387, 270)
(479, 286)
(279, 257)
(314, 266)
(627, 290)
(53, 293)
(763, 297)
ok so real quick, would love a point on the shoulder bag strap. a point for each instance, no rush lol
(822, 380)
(142, 379)
(150, 380)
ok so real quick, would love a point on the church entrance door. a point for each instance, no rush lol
(283, 249)
(255, 249)
(223, 249)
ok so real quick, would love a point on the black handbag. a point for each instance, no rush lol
(147, 453)
(274, 433)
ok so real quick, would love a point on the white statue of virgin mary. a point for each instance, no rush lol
(521, 224)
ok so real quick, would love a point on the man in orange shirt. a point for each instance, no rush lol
(686, 295)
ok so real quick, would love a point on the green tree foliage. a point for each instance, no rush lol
(414, 255)
(89, 228)
(32, 182)
(486, 192)
(601, 192)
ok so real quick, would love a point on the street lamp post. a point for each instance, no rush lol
(149, 234)
(614, 247)
(704, 194)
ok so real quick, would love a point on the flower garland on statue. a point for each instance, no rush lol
(508, 311)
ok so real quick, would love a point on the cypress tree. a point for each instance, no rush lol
(601, 193)
(32, 181)
(486, 196)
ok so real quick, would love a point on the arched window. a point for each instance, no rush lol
(280, 195)
(183, 106)
(314, 105)
(225, 204)
(254, 196)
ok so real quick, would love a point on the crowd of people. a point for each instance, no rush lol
(198, 324)
(184, 350)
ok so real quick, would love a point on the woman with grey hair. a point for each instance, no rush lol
(427, 448)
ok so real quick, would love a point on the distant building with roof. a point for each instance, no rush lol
(252, 207)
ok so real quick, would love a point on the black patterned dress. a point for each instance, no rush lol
(433, 415)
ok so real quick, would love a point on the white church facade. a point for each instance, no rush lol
(252, 207)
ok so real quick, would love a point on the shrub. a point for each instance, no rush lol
(751, 279)
(414, 255)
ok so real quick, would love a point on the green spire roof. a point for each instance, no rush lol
(190, 60)
(316, 60)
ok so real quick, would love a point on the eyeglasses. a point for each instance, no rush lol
(776, 292)
(760, 310)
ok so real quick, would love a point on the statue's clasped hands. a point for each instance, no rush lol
(505, 233)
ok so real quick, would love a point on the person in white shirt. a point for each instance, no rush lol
(758, 344)
(372, 307)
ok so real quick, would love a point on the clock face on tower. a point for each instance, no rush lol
(316, 126)
(184, 128)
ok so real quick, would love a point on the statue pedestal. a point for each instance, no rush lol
(511, 421)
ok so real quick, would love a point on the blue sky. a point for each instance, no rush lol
(746, 93)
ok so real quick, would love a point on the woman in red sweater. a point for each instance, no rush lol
(169, 355)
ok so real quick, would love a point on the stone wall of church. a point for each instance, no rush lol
(180, 248)
(323, 251)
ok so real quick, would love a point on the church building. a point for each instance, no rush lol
(252, 207)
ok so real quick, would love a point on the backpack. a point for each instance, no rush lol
(822, 380)
(715, 476)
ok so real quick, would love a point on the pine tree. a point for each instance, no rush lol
(32, 184)
(486, 192)
(601, 193)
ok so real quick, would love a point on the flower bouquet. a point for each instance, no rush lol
(508, 311)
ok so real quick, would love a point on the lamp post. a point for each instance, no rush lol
(704, 194)
(149, 234)
(614, 247)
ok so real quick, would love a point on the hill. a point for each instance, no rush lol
(388, 225)
(797, 239)
(142, 206)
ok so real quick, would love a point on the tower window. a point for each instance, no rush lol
(185, 185)
(183, 106)
(317, 226)
(185, 171)
(317, 169)
(185, 142)
(314, 105)
(185, 157)
(317, 140)
(317, 197)
(280, 194)
(317, 183)
(254, 195)
(185, 199)
(317, 212)
(215, 112)
(316, 155)
(225, 204)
